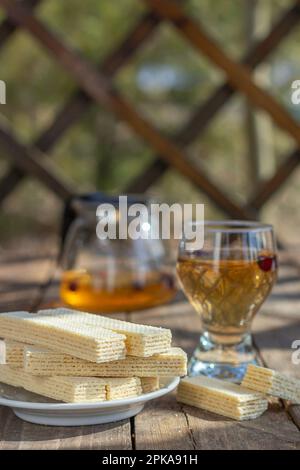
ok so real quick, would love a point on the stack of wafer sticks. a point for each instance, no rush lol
(245, 401)
(75, 356)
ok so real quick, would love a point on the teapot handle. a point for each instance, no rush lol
(68, 249)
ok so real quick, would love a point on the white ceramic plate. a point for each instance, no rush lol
(36, 409)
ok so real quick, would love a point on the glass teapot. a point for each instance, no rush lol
(111, 275)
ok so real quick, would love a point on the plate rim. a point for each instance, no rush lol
(174, 381)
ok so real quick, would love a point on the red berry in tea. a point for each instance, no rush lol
(266, 263)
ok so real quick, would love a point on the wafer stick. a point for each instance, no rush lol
(14, 353)
(118, 388)
(150, 384)
(61, 333)
(141, 340)
(67, 389)
(72, 389)
(273, 383)
(40, 361)
(220, 397)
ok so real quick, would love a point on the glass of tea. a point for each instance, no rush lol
(226, 281)
(113, 275)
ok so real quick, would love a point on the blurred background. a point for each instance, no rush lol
(165, 80)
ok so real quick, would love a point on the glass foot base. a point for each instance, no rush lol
(222, 362)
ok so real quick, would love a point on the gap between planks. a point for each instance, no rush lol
(164, 424)
(274, 337)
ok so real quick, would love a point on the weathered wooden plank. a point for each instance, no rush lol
(271, 431)
(274, 338)
(294, 412)
(21, 277)
(274, 430)
(163, 423)
(238, 74)
(16, 434)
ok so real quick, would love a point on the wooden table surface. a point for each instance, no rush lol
(163, 424)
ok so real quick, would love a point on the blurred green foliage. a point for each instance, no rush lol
(165, 80)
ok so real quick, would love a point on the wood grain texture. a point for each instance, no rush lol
(274, 337)
(273, 430)
(203, 430)
(294, 412)
(164, 423)
(22, 274)
(16, 434)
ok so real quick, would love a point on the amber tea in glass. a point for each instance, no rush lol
(227, 282)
